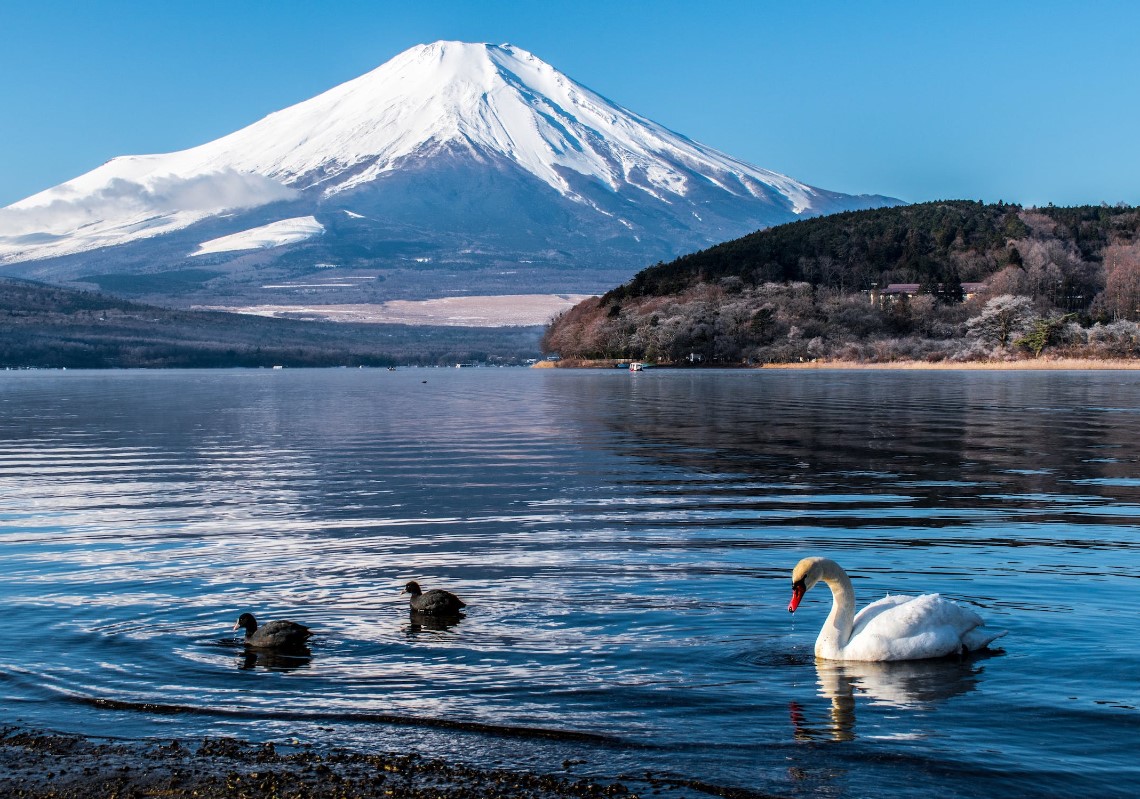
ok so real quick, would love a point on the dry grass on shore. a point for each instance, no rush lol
(1037, 364)
(580, 363)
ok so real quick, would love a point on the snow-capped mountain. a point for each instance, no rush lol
(450, 153)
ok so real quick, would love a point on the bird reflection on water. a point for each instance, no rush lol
(274, 660)
(432, 622)
(914, 685)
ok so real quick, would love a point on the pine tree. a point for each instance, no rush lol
(950, 291)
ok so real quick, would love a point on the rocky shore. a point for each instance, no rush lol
(40, 765)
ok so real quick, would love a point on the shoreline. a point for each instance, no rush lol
(1027, 365)
(37, 764)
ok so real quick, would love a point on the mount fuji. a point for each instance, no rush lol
(454, 168)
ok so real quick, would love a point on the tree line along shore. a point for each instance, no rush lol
(943, 282)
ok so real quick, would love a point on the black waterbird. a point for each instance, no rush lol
(436, 601)
(274, 635)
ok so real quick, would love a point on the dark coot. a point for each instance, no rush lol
(274, 635)
(436, 601)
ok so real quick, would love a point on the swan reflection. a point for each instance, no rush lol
(902, 685)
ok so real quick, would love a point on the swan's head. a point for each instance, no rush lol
(806, 574)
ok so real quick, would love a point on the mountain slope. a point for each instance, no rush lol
(476, 154)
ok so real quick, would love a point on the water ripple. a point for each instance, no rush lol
(624, 548)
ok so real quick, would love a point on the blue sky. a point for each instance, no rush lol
(1030, 102)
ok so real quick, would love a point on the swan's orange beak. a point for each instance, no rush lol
(798, 591)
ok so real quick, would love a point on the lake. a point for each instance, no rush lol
(624, 543)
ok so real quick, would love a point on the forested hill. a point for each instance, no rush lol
(47, 326)
(815, 287)
(924, 243)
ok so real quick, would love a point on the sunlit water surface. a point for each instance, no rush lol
(624, 542)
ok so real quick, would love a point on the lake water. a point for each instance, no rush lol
(624, 542)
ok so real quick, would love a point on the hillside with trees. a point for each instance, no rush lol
(955, 280)
(52, 327)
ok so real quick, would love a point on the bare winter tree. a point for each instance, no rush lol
(1121, 295)
(1002, 319)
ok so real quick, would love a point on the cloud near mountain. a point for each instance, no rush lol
(122, 208)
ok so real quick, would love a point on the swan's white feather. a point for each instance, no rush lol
(914, 628)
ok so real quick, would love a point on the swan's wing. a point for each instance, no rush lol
(912, 628)
(901, 617)
(868, 614)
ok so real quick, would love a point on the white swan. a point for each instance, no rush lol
(894, 628)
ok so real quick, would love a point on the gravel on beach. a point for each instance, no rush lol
(41, 765)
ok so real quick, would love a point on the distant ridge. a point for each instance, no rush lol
(45, 326)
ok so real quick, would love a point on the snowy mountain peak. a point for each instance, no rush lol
(478, 103)
(494, 99)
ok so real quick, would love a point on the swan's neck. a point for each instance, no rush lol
(836, 630)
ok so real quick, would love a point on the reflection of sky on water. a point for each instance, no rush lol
(623, 545)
